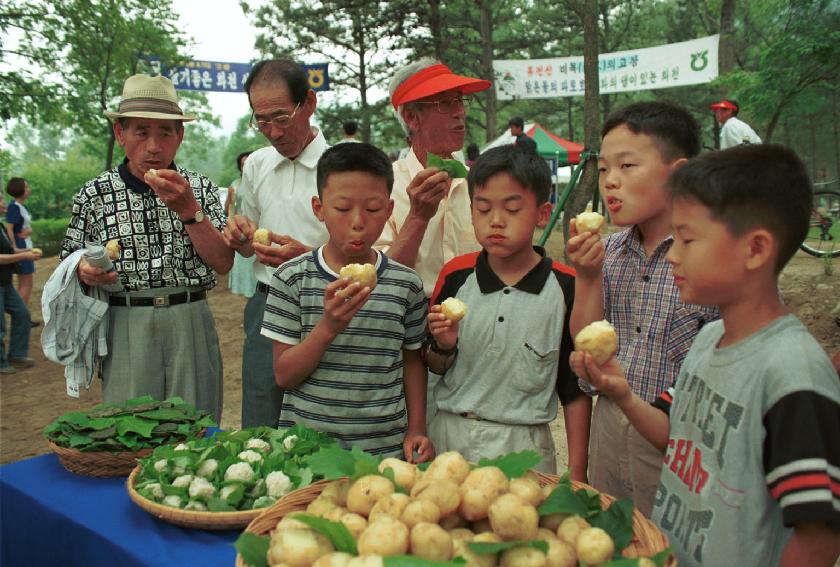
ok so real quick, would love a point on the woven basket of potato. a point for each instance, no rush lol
(437, 515)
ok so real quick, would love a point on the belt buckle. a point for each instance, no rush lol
(160, 301)
(470, 415)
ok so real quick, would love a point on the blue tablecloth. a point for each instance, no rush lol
(49, 516)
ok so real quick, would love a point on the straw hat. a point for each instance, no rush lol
(149, 97)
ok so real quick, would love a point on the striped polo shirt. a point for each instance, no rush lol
(514, 343)
(356, 393)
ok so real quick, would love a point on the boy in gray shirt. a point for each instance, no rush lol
(751, 427)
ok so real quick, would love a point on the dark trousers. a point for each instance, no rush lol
(262, 398)
(11, 303)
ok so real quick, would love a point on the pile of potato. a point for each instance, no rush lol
(450, 504)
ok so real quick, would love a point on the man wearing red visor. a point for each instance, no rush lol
(431, 222)
(734, 131)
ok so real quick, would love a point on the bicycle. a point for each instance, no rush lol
(823, 237)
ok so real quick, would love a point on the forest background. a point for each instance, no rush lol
(780, 59)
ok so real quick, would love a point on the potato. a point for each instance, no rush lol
(337, 490)
(552, 521)
(419, 511)
(113, 248)
(589, 222)
(334, 514)
(151, 176)
(461, 533)
(366, 492)
(262, 236)
(523, 556)
(453, 521)
(487, 537)
(298, 548)
(450, 465)
(391, 505)
(321, 506)
(430, 541)
(288, 522)
(405, 474)
(40, 252)
(598, 339)
(354, 523)
(336, 559)
(570, 528)
(482, 526)
(594, 546)
(453, 308)
(444, 493)
(363, 274)
(460, 548)
(560, 554)
(645, 562)
(366, 561)
(489, 479)
(545, 535)
(475, 503)
(529, 490)
(386, 536)
(513, 518)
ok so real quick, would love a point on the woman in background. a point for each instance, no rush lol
(19, 228)
(241, 279)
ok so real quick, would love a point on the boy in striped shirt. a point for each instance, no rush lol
(751, 427)
(348, 356)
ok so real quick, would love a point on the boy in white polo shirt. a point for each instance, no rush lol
(505, 363)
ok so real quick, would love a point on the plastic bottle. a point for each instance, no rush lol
(96, 255)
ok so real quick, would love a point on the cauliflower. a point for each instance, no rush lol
(258, 489)
(226, 491)
(172, 500)
(161, 465)
(208, 468)
(182, 481)
(182, 447)
(195, 506)
(239, 471)
(258, 444)
(155, 490)
(264, 502)
(278, 484)
(201, 489)
(250, 456)
(289, 442)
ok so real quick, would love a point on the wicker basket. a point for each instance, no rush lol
(98, 463)
(647, 540)
(189, 518)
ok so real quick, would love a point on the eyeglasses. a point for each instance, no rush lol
(280, 121)
(448, 105)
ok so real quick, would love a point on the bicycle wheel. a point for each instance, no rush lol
(823, 237)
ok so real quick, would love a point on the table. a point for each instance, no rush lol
(49, 516)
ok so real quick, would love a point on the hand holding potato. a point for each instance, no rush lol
(444, 330)
(608, 378)
(342, 300)
(273, 256)
(238, 233)
(585, 251)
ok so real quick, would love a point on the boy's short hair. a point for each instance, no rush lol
(526, 168)
(516, 121)
(16, 187)
(354, 157)
(673, 128)
(350, 127)
(751, 186)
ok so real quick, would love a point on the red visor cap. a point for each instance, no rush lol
(723, 104)
(432, 80)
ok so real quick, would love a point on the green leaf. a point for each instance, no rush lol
(77, 441)
(661, 557)
(565, 500)
(336, 532)
(216, 504)
(617, 520)
(136, 424)
(514, 465)
(165, 414)
(333, 463)
(453, 167)
(415, 561)
(484, 548)
(253, 549)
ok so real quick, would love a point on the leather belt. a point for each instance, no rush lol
(158, 300)
(262, 288)
(471, 415)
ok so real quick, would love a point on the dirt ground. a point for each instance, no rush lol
(32, 398)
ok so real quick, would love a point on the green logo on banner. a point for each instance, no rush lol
(699, 61)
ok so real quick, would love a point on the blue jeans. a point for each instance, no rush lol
(11, 303)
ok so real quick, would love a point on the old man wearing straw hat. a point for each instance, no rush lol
(161, 339)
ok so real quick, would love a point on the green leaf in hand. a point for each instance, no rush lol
(453, 167)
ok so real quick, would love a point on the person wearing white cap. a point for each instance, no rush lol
(734, 131)
(167, 221)
(431, 223)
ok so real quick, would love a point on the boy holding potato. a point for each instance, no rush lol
(631, 285)
(750, 428)
(348, 352)
(506, 361)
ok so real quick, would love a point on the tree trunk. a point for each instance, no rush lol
(726, 44)
(109, 156)
(436, 27)
(812, 130)
(570, 119)
(836, 127)
(587, 11)
(485, 10)
(359, 36)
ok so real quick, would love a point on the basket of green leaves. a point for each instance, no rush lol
(107, 440)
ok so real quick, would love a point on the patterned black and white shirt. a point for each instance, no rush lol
(156, 250)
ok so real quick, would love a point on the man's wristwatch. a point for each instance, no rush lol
(197, 218)
(435, 348)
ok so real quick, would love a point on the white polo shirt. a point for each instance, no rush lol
(277, 194)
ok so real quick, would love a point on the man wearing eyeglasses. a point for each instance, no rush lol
(431, 222)
(277, 187)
